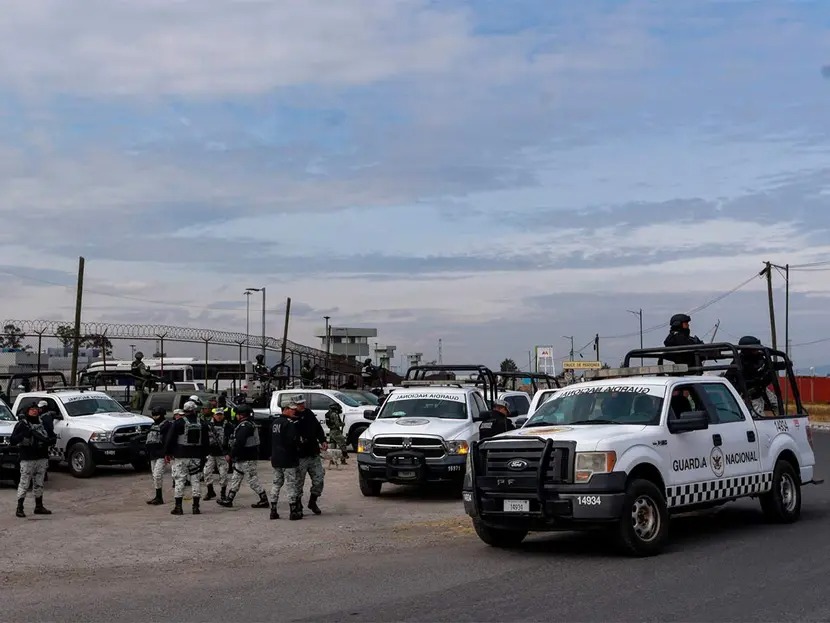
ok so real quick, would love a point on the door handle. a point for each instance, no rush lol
(716, 439)
(750, 435)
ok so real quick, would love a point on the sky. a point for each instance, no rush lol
(493, 174)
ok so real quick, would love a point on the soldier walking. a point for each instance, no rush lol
(285, 461)
(187, 447)
(312, 440)
(33, 437)
(155, 451)
(219, 433)
(334, 420)
(244, 452)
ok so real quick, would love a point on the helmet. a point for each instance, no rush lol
(243, 410)
(196, 400)
(190, 406)
(749, 340)
(158, 412)
(679, 319)
(42, 404)
(260, 357)
(336, 407)
(367, 362)
(139, 355)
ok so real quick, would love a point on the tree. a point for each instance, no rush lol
(65, 335)
(12, 338)
(96, 340)
(508, 365)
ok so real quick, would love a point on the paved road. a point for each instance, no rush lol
(726, 565)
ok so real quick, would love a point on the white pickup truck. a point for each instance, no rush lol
(93, 430)
(626, 453)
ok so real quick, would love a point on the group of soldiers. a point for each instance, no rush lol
(228, 444)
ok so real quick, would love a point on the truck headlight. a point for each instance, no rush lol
(457, 447)
(101, 437)
(590, 463)
(364, 445)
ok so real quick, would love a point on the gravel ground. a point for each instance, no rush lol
(102, 529)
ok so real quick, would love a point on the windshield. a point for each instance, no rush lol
(425, 406)
(88, 405)
(346, 400)
(364, 398)
(619, 404)
(5, 413)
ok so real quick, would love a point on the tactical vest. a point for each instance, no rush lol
(192, 434)
(37, 429)
(251, 441)
(333, 420)
(217, 434)
(154, 435)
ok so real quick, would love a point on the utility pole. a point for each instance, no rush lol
(76, 340)
(640, 314)
(596, 346)
(263, 324)
(328, 341)
(440, 352)
(571, 338)
(786, 269)
(285, 330)
(768, 272)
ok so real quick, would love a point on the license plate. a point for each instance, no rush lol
(406, 474)
(516, 506)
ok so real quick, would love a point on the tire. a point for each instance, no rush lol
(356, 431)
(644, 525)
(369, 488)
(783, 503)
(80, 461)
(141, 466)
(496, 537)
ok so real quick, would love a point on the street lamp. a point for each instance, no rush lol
(132, 350)
(328, 342)
(262, 289)
(812, 385)
(248, 325)
(640, 314)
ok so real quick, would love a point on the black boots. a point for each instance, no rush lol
(224, 491)
(263, 501)
(312, 505)
(296, 511)
(211, 493)
(274, 513)
(156, 501)
(344, 457)
(40, 509)
(177, 509)
(227, 502)
(20, 512)
(196, 510)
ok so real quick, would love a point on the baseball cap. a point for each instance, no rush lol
(291, 405)
(42, 404)
(500, 403)
(299, 400)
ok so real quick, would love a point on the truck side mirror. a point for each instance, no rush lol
(688, 422)
(370, 414)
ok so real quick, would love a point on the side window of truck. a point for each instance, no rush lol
(164, 401)
(725, 404)
(685, 398)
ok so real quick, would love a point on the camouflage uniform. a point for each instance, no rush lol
(157, 470)
(249, 469)
(334, 421)
(289, 478)
(313, 466)
(244, 448)
(770, 403)
(187, 469)
(32, 473)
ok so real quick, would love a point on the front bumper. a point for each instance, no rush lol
(109, 453)
(9, 460)
(531, 502)
(411, 468)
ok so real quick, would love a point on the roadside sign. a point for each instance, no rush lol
(582, 365)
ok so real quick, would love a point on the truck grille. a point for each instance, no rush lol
(129, 434)
(430, 447)
(512, 458)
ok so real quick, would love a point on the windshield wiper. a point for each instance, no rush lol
(594, 422)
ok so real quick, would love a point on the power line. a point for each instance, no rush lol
(697, 309)
(810, 265)
(820, 341)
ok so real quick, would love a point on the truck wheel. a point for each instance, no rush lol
(80, 460)
(355, 433)
(496, 537)
(644, 526)
(369, 488)
(783, 503)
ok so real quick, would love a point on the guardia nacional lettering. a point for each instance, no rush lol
(682, 465)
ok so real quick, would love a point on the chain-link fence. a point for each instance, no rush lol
(46, 345)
